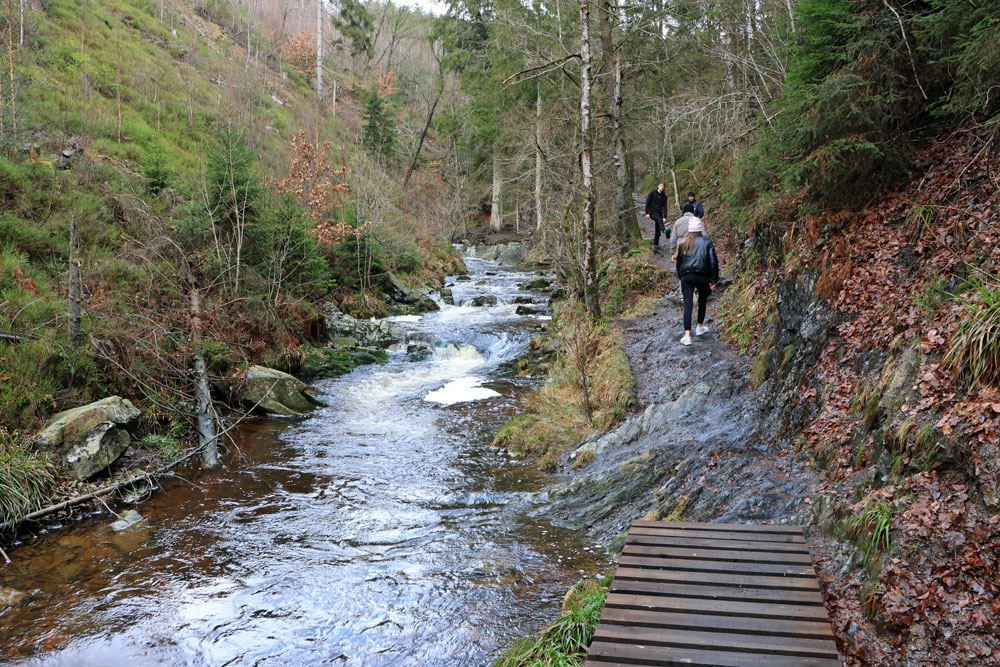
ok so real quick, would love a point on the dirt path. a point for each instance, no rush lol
(697, 449)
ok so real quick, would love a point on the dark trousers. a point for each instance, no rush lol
(658, 228)
(689, 283)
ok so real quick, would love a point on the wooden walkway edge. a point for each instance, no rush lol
(714, 594)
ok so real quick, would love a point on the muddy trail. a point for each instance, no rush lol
(699, 445)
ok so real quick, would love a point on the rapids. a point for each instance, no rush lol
(380, 530)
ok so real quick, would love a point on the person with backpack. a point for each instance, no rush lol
(698, 269)
(699, 210)
(656, 208)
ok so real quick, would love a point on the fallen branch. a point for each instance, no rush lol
(552, 64)
(45, 511)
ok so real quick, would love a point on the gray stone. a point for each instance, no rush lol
(537, 283)
(127, 519)
(505, 253)
(10, 597)
(530, 310)
(87, 439)
(480, 301)
(365, 333)
(276, 392)
(448, 296)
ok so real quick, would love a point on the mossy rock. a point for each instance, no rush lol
(325, 362)
(277, 393)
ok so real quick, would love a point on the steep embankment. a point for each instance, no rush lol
(172, 190)
(879, 359)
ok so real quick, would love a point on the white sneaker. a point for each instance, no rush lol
(700, 330)
(685, 340)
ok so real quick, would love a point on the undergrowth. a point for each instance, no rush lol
(590, 387)
(24, 479)
(974, 351)
(564, 642)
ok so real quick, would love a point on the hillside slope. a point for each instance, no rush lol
(189, 160)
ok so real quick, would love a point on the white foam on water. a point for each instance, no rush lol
(461, 390)
(406, 318)
(383, 386)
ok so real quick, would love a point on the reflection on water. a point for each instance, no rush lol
(375, 531)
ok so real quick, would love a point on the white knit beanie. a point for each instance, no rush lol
(695, 225)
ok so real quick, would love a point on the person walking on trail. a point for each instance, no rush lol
(699, 210)
(681, 228)
(656, 208)
(698, 269)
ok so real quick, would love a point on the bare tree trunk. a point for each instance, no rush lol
(590, 299)
(423, 135)
(496, 216)
(10, 54)
(628, 224)
(20, 39)
(75, 286)
(333, 107)
(319, 49)
(539, 214)
(206, 425)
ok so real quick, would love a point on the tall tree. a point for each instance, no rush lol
(590, 299)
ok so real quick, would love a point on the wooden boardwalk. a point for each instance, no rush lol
(714, 594)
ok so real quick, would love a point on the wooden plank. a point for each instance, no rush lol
(709, 623)
(602, 653)
(730, 555)
(734, 593)
(632, 560)
(719, 535)
(625, 634)
(694, 541)
(717, 579)
(773, 610)
(731, 527)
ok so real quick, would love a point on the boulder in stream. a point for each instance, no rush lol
(10, 597)
(365, 333)
(537, 282)
(413, 301)
(481, 301)
(277, 393)
(87, 439)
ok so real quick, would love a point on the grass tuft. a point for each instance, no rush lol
(974, 352)
(564, 643)
(873, 526)
(24, 479)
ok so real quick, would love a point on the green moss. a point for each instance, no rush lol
(329, 363)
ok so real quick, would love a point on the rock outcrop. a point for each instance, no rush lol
(407, 300)
(276, 393)
(365, 333)
(87, 439)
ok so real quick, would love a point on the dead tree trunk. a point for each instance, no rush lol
(423, 135)
(319, 50)
(207, 439)
(496, 216)
(591, 302)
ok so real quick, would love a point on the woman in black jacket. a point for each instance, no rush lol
(698, 269)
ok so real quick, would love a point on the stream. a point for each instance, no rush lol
(381, 530)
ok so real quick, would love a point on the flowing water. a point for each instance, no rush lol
(380, 530)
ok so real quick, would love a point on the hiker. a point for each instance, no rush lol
(699, 210)
(681, 228)
(656, 208)
(698, 269)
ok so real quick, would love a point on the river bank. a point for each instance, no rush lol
(383, 527)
